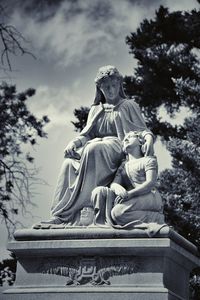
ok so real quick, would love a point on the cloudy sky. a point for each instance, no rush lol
(71, 39)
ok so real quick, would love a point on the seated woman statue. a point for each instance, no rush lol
(132, 198)
(93, 157)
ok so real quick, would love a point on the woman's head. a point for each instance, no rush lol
(109, 84)
(133, 139)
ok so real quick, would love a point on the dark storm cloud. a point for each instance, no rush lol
(96, 10)
(146, 2)
(41, 10)
(45, 9)
(73, 30)
(69, 31)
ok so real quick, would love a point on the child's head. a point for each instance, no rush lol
(133, 139)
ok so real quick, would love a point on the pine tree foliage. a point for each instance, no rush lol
(81, 114)
(167, 52)
(18, 126)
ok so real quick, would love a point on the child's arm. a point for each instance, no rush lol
(145, 187)
(151, 171)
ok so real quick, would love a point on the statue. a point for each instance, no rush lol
(132, 199)
(107, 183)
(92, 159)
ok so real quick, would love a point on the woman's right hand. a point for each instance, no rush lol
(70, 151)
(119, 190)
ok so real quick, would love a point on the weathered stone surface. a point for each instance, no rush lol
(80, 232)
(110, 267)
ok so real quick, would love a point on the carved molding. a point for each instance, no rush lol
(90, 270)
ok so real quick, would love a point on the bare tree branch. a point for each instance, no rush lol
(12, 42)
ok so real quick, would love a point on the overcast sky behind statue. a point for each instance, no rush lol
(71, 40)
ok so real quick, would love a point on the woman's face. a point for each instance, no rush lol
(110, 88)
(130, 141)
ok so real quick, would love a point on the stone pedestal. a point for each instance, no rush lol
(96, 263)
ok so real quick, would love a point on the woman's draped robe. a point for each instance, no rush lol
(101, 155)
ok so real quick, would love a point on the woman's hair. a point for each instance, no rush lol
(102, 74)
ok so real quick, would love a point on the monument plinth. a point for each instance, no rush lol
(96, 263)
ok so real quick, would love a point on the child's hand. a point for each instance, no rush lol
(119, 190)
(120, 199)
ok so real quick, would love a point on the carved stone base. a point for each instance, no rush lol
(128, 267)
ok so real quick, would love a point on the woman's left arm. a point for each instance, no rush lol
(145, 187)
(148, 145)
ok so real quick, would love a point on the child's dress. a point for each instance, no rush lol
(145, 208)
